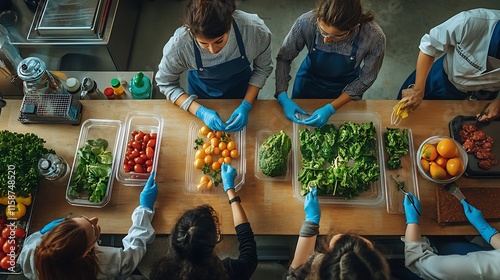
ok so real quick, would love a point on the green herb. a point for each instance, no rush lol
(19, 159)
(396, 143)
(92, 173)
(214, 174)
(400, 185)
(198, 143)
(338, 162)
(273, 154)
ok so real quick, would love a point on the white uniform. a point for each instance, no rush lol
(114, 263)
(421, 260)
(465, 40)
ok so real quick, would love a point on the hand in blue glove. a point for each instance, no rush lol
(475, 217)
(239, 118)
(149, 193)
(48, 227)
(410, 212)
(210, 118)
(228, 174)
(290, 107)
(311, 207)
(320, 116)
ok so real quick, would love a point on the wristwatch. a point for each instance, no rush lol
(236, 198)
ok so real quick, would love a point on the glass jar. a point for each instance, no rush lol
(36, 78)
(52, 167)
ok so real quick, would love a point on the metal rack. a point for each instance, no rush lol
(50, 108)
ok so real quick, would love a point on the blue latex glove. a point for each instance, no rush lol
(239, 118)
(320, 116)
(410, 212)
(149, 193)
(228, 174)
(475, 217)
(210, 118)
(289, 107)
(48, 227)
(311, 207)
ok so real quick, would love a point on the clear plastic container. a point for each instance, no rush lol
(194, 175)
(146, 122)
(93, 129)
(407, 174)
(374, 197)
(261, 136)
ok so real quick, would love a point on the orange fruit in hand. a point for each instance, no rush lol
(429, 152)
(441, 161)
(454, 166)
(447, 148)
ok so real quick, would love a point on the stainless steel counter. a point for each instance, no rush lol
(108, 53)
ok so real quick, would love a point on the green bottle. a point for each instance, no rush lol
(140, 86)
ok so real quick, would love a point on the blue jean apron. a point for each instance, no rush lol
(325, 74)
(438, 87)
(227, 80)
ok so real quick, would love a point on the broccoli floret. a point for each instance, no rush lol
(273, 154)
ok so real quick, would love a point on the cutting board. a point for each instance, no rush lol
(450, 210)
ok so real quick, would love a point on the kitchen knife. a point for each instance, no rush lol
(453, 189)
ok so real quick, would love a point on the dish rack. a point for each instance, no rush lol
(50, 108)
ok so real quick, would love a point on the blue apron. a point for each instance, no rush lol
(438, 87)
(325, 74)
(227, 80)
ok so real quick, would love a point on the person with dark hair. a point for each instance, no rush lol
(193, 239)
(345, 53)
(339, 256)
(468, 66)
(67, 248)
(227, 53)
(456, 260)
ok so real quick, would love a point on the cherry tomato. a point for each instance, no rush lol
(134, 154)
(138, 168)
(210, 135)
(6, 232)
(222, 146)
(218, 134)
(131, 162)
(9, 246)
(214, 142)
(151, 143)
(2, 241)
(136, 145)
(227, 160)
(149, 169)
(198, 163)
(225, 153)
(150, 153)
(148, 162)
(234, 153)
(2, 254)
(231, 145)
(20, 233)
(139, 160)
(139, 136)
(134, 133)
(204, 130)
(4, 263)
(126, 168)
(200, 154)
(208, 159)
(146, 138)
(215, 165)
(153, 135)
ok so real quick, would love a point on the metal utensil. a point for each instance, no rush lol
(454, 190)
(483, 111)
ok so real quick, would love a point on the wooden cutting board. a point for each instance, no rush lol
(450, 210)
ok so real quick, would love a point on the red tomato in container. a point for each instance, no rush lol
(9, 245)
(4, 263)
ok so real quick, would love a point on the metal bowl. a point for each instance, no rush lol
(434, 140)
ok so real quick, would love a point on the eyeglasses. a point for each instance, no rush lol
(94, 227)
(330, 36)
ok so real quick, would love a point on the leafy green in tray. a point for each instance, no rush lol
(93, 170)
(273, 154)
(19, 155)
(396, 143)
(338, 161)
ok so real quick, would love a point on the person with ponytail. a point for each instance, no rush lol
(191, 254)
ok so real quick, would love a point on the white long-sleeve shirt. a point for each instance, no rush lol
(465, 39)
(421, 260)
(114, 263)
(178, 54)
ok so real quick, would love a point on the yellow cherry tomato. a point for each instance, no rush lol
(231, 145)
(234, 153)
(16, 211)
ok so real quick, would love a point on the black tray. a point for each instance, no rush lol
(492, 129)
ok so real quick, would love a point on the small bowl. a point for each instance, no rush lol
(434, 140)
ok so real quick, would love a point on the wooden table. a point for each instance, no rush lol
(270, 205)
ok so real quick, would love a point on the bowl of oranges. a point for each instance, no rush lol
(441, 159)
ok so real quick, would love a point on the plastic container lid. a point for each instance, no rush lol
(146, 122)
(373, 197)
(109, 92)
(115, 82)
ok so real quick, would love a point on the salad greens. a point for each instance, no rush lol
(338, 161)
(19, 159)
(273, 154)
(94, 168)
(396, 143)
